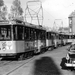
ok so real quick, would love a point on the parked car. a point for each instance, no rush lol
(69, 60)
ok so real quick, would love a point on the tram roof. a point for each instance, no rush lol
(53, 32)
(13, 22)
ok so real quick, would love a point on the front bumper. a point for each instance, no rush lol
(70, 64)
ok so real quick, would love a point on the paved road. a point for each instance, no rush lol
(45, 64)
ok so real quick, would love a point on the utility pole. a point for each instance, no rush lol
(34, 12)
(58, 23)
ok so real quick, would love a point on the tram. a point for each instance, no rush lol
(70, 38)
(21, 40)
(64, 39)
(50, 40)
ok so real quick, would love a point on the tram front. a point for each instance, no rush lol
(6, 42)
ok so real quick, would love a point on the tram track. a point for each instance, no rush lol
(5, 63)
(19, 65)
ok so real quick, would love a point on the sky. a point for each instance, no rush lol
(55, 12)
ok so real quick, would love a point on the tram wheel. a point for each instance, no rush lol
(25, 55)
(30, 54)
(21, 57)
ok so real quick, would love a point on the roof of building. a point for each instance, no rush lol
(72, 14)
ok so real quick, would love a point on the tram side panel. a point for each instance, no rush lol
(24, 46)
(64, 39)
(55, 42)
(7, 47)
(69, 39)
(49, 41)
(37, 41)
(55, 39)
(59, 39)
(40, 41)
(43, 41)
(24, 40)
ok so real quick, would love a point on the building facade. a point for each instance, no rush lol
(72, 22)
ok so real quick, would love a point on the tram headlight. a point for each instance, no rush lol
(67, 56)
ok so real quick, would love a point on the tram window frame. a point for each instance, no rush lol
(27, 33)
(73, 36)
(49, 35)
(56, 36)
(38, 34)
(42, 35)
(4, 31)
(60, 36)
(35, 33)
(69, 37)
(32, 34)
(18, 32)
(53, 35)
(63, 36)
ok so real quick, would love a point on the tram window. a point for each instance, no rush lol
(59, 36)
(47, 35)
(5, 32)
(18, 32)
(35, 35)
(32, 34)
(38, 34)
(63, 36)
(15, 32)
(50, 36)
(42, 37)
(73, 36)
(27, 33)
(69, 37)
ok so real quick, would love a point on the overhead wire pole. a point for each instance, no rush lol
(26, 14)
(34, 12)
(42, 14)
(54, 26)
(60, 22)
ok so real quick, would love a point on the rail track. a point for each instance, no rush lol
(8, 67)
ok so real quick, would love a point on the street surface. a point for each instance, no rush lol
(47, 63)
